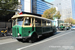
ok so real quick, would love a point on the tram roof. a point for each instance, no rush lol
(28, 15)
(65, 23)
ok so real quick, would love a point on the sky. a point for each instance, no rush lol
(49, 0)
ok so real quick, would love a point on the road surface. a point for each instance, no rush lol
(62, 40)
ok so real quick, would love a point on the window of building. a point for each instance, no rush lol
(59, 3)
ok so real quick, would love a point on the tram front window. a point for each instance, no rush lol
(20, 21)
(27, 21)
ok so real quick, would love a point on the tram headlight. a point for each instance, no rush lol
(19, 34)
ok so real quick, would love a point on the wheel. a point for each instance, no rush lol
(33, 38)
(53, 32)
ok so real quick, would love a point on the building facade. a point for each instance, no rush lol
(35, 6)
(73, 9)
(42, 6)
(65, 8)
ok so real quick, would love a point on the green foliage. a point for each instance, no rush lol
(57, 15)
(6, 5)
(69, 20)
(74, 21)
(49, 13)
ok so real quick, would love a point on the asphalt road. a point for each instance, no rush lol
(62, 40)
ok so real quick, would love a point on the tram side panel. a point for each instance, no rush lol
(44, 30)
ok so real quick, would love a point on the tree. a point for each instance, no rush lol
(57, 15)
(6, 6)
(69, 20)
(49, 13)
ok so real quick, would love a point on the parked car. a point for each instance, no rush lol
(73, 27)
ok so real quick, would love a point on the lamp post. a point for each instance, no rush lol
(18, 7)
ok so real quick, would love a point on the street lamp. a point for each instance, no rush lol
(18, 7)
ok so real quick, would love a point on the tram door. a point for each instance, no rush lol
(27, 26)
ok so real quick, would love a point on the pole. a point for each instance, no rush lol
(19, 1)
(58, 23)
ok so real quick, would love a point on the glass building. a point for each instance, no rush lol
(42, 6)
(73, 9)
(35, 6)
(65, 8)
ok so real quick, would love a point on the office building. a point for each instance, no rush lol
(65, 8)
(35, 6)
(73, 8)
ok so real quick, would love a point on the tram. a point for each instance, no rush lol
(30, 27)
(64, 26)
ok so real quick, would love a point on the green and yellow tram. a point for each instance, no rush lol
(30, 27)
(64, 26)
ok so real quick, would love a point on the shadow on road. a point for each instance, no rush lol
(47, 36)
(43, 37)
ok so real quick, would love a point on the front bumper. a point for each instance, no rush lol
(21, 37)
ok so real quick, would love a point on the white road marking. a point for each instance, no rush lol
(42, 41)
(7, 41)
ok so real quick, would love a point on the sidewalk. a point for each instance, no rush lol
(5, 41)
(5, 37)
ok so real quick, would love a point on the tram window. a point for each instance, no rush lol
(48, 23)
(27, 21)
(37, 22)
(53, 23)
(65, 24)
(20, 21)
(43, 23)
